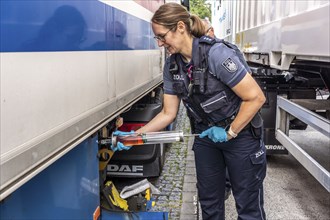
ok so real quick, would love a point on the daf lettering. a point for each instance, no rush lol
(125, 168)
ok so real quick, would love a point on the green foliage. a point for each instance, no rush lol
(200, 8)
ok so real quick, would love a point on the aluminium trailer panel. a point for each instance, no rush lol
(275, 32)
(67, 68)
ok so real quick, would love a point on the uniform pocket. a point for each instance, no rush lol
(216, 102)
(257, 173)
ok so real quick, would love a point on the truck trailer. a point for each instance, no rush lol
(287, 46)
(69, 69)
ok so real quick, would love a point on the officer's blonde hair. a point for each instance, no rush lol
(171, 13)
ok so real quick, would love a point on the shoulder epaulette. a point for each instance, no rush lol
(206, 39)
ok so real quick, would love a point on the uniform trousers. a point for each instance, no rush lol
(245, 159)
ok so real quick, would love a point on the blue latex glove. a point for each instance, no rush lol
(120, 146)
(122, 133)
(216, 134)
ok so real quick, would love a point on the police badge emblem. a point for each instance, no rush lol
(230, 65)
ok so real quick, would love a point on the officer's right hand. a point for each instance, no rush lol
(120, 146)
(122, 133)
(216, 134)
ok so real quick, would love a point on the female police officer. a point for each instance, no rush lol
(222, 100)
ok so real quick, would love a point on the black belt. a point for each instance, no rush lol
(228, 121)
(224, 123)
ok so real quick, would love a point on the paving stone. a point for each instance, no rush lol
(187, 217)
(188, 197)
(189, 187)
(190, 158)
(188, 208)
(190, 179)
(190, 163)
(190, 171)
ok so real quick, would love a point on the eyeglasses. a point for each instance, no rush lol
(162, 37)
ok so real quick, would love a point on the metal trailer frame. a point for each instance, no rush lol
(285, 108)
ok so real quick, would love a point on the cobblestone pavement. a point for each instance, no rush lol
(178, 181)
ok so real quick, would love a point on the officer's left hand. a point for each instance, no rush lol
(216, 134)
(120, 146)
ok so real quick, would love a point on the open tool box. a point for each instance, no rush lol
(134, 201)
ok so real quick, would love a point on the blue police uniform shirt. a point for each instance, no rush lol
(168, 78)
(224, 63)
